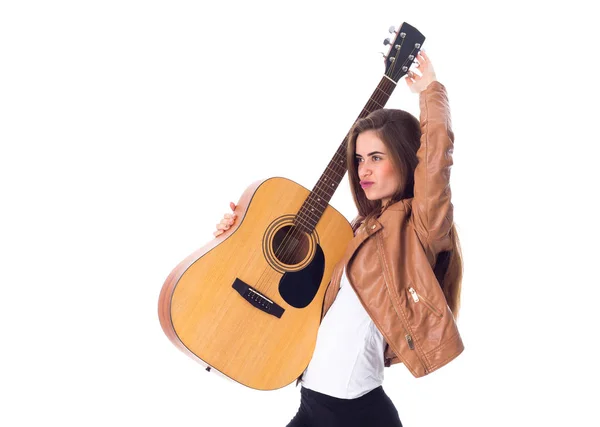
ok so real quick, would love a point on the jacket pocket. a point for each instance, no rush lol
(420, 299)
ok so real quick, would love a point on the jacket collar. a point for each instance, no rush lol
(360, 237)
(376, 225)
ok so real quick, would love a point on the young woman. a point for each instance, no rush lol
(395, 296)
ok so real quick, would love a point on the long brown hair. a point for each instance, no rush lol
(400, 132)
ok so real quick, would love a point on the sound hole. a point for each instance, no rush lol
(290, 245)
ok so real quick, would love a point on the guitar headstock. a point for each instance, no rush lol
(403, 50)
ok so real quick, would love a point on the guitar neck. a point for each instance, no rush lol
(313, 207)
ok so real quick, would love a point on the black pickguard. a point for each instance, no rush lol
(298, 288)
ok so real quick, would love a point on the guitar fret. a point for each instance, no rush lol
(339, 175)
(326, 188)
(319, 209)
(378, 104)
(316, 203)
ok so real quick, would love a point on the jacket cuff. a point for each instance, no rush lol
(433, 86)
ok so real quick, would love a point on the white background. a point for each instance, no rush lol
(128, 126)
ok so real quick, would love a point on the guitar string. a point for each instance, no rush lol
(320, 184)
(374, 99)
(342, 157)
(286, 249)
(377, 102)
(293, 231)
(283, 250)
(295, 234)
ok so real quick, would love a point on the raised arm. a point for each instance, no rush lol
(432, 207)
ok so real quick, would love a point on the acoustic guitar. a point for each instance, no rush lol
(249, 303)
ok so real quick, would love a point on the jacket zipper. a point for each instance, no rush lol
(419, 298)
(407, 336)
(410, 342)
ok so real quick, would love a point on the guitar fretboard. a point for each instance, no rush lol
(313, 207)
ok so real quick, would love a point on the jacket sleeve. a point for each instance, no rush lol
(432, 207)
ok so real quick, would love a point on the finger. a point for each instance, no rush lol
(414, 75)
(232, 206)
(411, 85)
(231, 215)
(226, 222)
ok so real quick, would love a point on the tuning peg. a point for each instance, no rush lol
(387, 41)
(392, 29)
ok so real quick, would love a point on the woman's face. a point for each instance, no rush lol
(375, 166)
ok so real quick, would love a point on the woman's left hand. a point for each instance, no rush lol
(418, 83)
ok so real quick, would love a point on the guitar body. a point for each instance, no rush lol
(249, 303)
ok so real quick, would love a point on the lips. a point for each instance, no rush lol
(366, 184)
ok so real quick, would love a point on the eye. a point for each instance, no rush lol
(376, 157)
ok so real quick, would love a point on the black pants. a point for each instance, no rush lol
(374, 409)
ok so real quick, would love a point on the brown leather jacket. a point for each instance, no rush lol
(390, 265)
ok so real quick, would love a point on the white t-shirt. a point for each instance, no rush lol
(348, 358)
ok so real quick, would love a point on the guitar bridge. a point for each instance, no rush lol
(257, 299)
